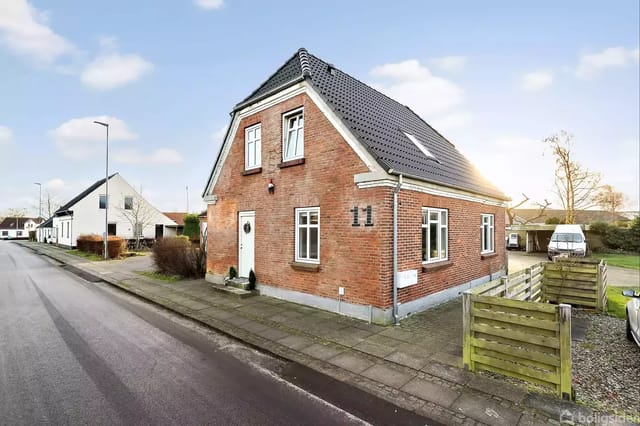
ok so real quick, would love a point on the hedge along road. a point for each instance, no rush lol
(73, 352)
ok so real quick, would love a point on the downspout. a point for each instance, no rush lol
(396, 190)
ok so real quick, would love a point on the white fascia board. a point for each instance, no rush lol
(281, 96)
(346, 134)
(427, 188)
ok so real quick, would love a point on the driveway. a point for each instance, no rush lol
(616, 277)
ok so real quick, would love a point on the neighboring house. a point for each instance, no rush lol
(129, 215)
(302, 193)
(178, 218)
(17, 227)
(44, 232)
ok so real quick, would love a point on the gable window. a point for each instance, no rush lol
(103, 201)
(434, 235)
(308, 234)
(252, 147)
(487, 229)
(128, 203)
(293, 133)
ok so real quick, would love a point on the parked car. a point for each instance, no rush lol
(633, 316)
(513, 241)
(567, 239)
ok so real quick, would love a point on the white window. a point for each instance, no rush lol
(293, 132)
(420, 146)
(138, 230)
(434, 235)
(103, 201)
(128, 203)
(308, 235)
(252, 143)
(487, 233)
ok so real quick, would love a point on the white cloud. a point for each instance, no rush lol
(159, 156)
(209, 4)
(56, 184)
(536, 80)
(81, 138)
(111, 70)
(413, 84)
(24, 30)
(450, 63)
(613, 57)
(453, 120)
(6, 136)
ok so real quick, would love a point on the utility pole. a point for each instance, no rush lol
(39, 200)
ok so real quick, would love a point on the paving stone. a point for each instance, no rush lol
(321, 351)
(373, 349)
(494, 387)
(452, 374)
(237, 320)
(399, 334)
(486, 410)
(387, 375)
(555, 408)
(217, 313)
(352, 362)
(407, 360)
(273, 334)
(430, 391)
(296, 342)
(349, 336)
(448, 359)
(531, 420)
(195, 305)
(254, 327)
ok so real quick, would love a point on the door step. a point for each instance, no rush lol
(233, 291)
(241, 283)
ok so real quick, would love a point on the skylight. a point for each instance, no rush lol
(420, 146)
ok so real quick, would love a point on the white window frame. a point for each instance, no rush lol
(427, 239)
(487, 222)
(299, 256)
(125, 202)
(285, 134)
(257, 142)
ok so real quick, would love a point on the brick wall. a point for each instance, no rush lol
(357, 258)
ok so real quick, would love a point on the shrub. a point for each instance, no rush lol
(252, 280)
(613, 237)
(177, 256)
(191, 226)
(93, 243)
(553, 221)
(232, 272)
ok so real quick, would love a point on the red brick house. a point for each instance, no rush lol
(339, 197)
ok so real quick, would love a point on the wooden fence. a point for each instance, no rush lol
(580, 282)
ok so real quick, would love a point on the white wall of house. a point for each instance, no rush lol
(89, 218)
(12, 233)
(43, 234)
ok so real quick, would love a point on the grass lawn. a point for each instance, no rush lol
(623, 260)
(90, 256)
(616, 302)
(160, 276)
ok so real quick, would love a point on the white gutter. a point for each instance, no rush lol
(395, 249)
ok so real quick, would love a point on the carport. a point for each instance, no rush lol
(537, 236)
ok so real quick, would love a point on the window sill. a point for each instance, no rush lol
(430, 267)
(291, 163)
(252, 171)
(488, 255)
(307, 267)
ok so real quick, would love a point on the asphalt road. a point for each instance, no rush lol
(74, 352)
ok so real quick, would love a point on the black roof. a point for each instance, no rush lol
(380, 124)
(16, 222)
(83, 194)
(47, 223)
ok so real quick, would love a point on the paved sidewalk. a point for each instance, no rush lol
(415, 365)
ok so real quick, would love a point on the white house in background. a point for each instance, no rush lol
(13, 228)
(129, 215)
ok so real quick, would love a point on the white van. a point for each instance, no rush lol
(567, 239)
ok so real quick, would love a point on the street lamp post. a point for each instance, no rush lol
(39, 200)
(106, 182)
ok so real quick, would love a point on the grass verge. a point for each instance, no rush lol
(160, 276)
(616, 302)
(89, 256)
(630, 261)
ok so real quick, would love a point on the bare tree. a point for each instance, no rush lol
(609, 199)
(511, 210)
(51, 204)
(138, 213)
(574, 183)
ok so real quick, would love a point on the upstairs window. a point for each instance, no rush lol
(128, 203)
(103, 201)
(252, 147)
(434, 235)
(293, 132)
(487, 233)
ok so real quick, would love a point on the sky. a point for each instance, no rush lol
(495, 78)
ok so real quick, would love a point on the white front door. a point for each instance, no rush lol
(246, 233)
